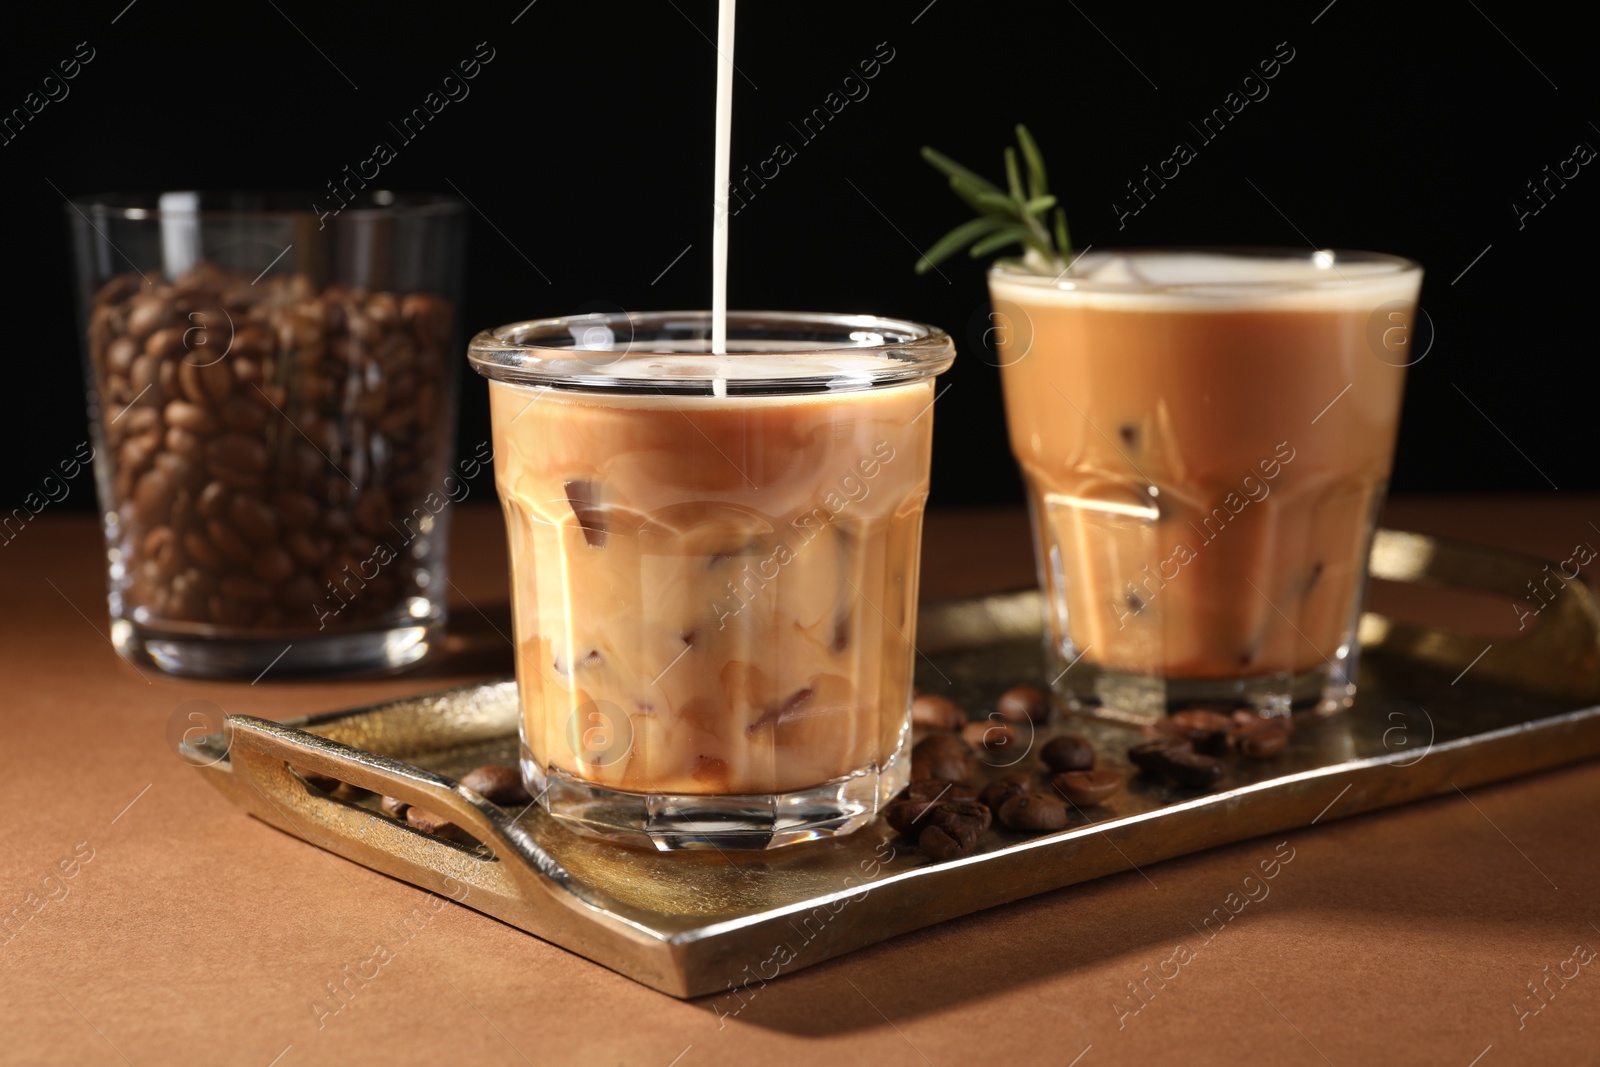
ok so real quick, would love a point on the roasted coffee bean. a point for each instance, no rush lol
(187, 597)
(273, 565)
(166, 343)
(1206, 730)
(1192, 769)
(937, 713)
(239, 587)
(254, 520)
(934, 789)
(1024, 703)
(940, 756)
(239, 453)
(394, 806)
(374, 511)
(183, 443)
(325, 782)
(249, 342)
(161, 549)
(337, 523)
(200, 550)
(213, 502)
(966, 812)
(295, 510)
(1002, 789)
(1262, 741)
(152, 496)
(941, 843)
(191, 417)
(1033, 811)
(1243, 718)
(907, 816)
(299, 594)
(432, 823)
(1152, 756)
(990, 734)
(120, 355)
(226, 540)
(144, 379)
(139, 420)
(1068, 752)
(497, 784)
(237, 413)
(147, 312)
(226, 611)
(1087, 787)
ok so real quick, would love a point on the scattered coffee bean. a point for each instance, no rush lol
(935, 789)
(941, 843)
(1152, 756)
(497, 784)
(432, 823)
(1262, 741)
(1024, 703)
(1192, 769)
(1033, 811)
(1247, 717)
(940, 756)
(1206, 730)
(908, 816)
(1002, 789)
(1067, 753)
(325, 782)
(966, 812)
(937, 713)
(1087, 787)
(993, 735)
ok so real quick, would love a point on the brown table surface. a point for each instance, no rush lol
(194, 934)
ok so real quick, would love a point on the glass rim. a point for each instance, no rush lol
(145, 204)
(790, 352)
(1070, 279)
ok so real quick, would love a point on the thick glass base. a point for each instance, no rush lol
(1143, 698)
(744, 821)
(376, 651)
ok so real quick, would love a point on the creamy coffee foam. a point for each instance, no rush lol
(1199, 281)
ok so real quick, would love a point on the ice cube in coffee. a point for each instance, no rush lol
(714, 567)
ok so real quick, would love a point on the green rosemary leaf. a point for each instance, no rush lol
(1063, 245)
(1013, 179)
(954, 170)
(1037, 186)
(952, 242)
(999, 239)
(995, 204)
(1022, 217)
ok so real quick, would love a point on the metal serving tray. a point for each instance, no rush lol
(1435, 712)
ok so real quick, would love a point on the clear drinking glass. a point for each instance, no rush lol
(714, 566)
(272, 402)
(1206, 438)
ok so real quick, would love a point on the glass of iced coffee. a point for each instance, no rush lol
(714, 566)
(1206, 437)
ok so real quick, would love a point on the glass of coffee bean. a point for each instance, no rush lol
(272, 401)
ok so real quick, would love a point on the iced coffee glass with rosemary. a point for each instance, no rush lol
(1206, 438)
(714, 566)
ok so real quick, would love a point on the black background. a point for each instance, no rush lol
(585, 146)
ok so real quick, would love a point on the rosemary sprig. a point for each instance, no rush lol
(1013, 216)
